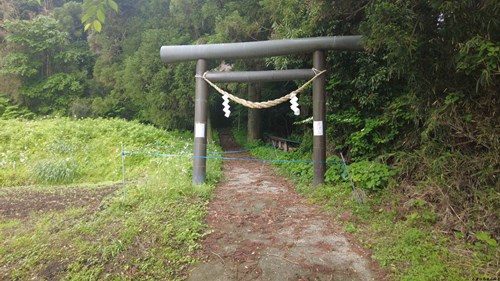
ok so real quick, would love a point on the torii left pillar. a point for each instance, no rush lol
(200, 124)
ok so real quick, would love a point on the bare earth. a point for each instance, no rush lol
(21, 202)
(263, 230)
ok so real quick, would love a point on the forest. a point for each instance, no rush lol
(421, 100)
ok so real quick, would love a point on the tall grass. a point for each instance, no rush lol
(62, 150)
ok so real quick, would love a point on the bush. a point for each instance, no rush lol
(335, 173)
(370, 175)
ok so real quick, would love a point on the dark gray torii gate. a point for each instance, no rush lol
(202, 53)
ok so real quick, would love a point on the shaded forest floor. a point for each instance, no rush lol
(261, 229)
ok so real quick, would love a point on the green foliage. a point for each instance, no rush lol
(394, 22)
(288, 163)
(350, 227)
(4, 103)
(418, 250)
(422, 98)
(9, 111)
(95, 13)
(486, 238)
(374, 134)
(19, 64)
(55, 92)
(69, 17)
(370, 175)
(14, 111)
(443, 55)
(479, 57)
(35, 43)
(64, 150)
(51, 68)
(37, 36)
(336, 172)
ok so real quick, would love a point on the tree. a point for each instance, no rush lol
(51, 70)
(34, 46)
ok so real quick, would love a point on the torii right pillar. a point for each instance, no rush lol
(319, 116)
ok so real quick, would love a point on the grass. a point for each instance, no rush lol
(407, 243)
(151, 235)
(403, 233)
(61, 150)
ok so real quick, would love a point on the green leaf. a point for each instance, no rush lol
(87, 26)
(86, 17)
(91, 11)
(101, 16)
(486, 238)
(113, 5)
(97, 25)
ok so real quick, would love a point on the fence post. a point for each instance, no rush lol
(123, 175)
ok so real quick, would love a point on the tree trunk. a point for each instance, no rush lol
(254, 115)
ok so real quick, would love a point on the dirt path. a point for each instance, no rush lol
(263, 230)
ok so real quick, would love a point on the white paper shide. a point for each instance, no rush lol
(318, 128)
(199, 130)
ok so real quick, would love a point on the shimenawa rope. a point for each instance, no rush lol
(263, 104)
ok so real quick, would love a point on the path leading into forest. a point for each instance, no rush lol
(263, 230)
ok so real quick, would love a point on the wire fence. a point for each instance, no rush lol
(358, 193)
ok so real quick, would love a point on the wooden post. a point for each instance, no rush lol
(254, 128)
(319, 116)
(200, 124)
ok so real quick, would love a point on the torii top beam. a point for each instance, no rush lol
(270, 48)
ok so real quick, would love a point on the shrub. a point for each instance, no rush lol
(335, 173)
(370, 175)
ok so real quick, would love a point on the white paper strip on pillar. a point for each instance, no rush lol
(199, 130)
(318, 128)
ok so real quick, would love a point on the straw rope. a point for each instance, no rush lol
(263, 104)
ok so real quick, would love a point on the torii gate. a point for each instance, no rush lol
(243, 50)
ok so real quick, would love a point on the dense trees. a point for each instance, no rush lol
(50, 62)
(422, 98)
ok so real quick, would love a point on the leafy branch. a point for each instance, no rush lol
(95, 13)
